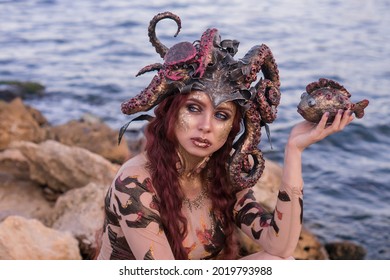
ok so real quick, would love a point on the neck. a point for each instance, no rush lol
(189, 165)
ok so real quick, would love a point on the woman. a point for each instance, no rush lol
(184, 197)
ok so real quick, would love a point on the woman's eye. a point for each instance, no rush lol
(221, 116)
(193, 108)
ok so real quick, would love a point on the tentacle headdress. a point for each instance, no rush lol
(208, 65)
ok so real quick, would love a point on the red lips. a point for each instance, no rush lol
(200, 142)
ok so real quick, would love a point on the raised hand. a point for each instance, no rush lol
(306, 133)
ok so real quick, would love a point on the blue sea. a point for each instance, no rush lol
(87, 53)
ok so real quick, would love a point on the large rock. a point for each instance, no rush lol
(309, 247)
(94, 136)
(81, 212)
(14, 163)
(27, 239)
(17, 123)
(345, 250)
(61, 168)
(20, 122)
(37, 116)
(23, 198)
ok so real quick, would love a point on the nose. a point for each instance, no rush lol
(205, 123)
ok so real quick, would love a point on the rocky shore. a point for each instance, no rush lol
(53, 180)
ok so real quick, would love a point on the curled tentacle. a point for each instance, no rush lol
(261, 58)
(246, 148)
(161, 85)
(267, 98)
(267, 93)
(262, 110)
(147, 98)
(156, 43)
(269, 67)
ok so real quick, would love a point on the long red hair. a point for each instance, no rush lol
(161, 147)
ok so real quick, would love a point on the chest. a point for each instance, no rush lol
(205, 238)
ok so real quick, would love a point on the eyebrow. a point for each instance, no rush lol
(222, 106)
(225, 107)
(196, 100)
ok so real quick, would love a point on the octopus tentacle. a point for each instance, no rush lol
(262, 110)
(209, 39)
(161, 85)
(248, 147)
(149, 97)
(149, 68)
(261, 58)
(156, 43)
(268, 98)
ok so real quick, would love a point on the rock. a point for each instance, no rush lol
(309, 248)
(17, 123)
(23, 198)
(345, 250)
(136, 141)
(92, 135)
(62, 168)
(14, 163)
(29, 239)
(10, 90)
(81, 212)
(37, 116)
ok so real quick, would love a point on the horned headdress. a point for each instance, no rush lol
(208, 65)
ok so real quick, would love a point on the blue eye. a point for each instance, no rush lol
(221, 116)
(193, 108)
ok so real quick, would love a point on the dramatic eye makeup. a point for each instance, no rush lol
(225, 111)
(197, 104)
(222, 115)
(192, 107)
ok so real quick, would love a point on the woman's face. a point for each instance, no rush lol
(202, 129)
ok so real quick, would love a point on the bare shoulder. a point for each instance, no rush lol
(135, 167)
(132, 185)
(133, 178)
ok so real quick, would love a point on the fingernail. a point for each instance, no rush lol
(350, 113)
(340, 112)
(326, 114)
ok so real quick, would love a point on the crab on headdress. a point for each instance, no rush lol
(208, 65)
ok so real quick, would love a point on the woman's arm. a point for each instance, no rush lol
(133, 227)
(278, 233)
(139, 218)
